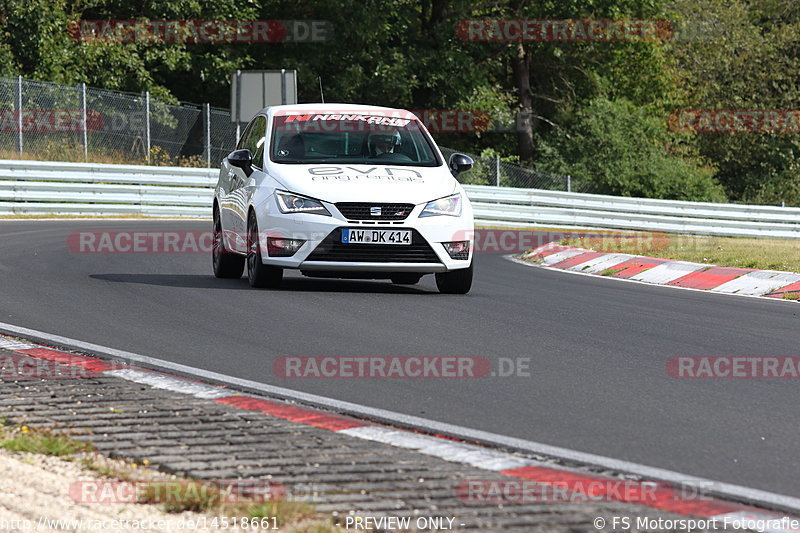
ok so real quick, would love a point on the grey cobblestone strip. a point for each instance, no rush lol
(339, 474)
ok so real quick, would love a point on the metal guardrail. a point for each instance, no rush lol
(56, 188)
(522, 207)
(92, 189)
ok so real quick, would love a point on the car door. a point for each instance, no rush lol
(256, 144)
(239, 185)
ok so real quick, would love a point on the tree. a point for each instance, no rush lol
(744, 56)
(615, 147)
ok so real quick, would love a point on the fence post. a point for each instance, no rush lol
(283, 86)
(147, 123)
(569, 183)
(18, 105)
(85, 123)
(207, 113)
(497, 171)
(238, 109)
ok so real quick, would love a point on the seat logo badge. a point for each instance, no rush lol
(375, 211)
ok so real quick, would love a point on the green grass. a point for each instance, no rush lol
(26, 440)
(104, 471)
(175, 496)
(59, 151)
(767, 254)
(286, 511)
(179, 496)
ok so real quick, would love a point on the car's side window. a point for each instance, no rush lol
(254, 138)
(241, 145)
(257, 140)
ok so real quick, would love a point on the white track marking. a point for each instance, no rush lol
(758, 283)
(601, 263)
(560, 256)
(158, 381)
(628, 280)
(13, 344)
(666, 272)
(727, 490)
(457, 452)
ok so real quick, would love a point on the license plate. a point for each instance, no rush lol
(376, 236)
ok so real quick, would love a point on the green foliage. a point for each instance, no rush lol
(615, 147)
(599, 106)
(745, 56)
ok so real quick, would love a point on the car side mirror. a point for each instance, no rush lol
(460, 163)
(242, 159)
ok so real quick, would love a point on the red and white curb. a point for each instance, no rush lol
(684, 274)
(662, 495)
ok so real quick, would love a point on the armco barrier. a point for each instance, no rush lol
(521, 207)
(56, 188)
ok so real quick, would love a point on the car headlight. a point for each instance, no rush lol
(294, 203)
(449, 205)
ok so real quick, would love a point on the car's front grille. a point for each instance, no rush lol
(368, 211)
(332, 249)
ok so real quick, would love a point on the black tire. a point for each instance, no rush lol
(455, 282)
(227, 265)
(259, 275)
(406, 278)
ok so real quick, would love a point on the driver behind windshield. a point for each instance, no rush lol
(384, 143)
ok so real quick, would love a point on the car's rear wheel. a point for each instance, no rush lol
(258, 274)
(226, 264)
(456, 281)
(406, 279)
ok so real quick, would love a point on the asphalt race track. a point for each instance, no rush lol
(597, 347)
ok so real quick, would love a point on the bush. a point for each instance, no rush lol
(617, 148)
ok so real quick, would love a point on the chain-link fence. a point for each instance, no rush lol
(494, 171)
(42, 120)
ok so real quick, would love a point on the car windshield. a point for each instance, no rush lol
(356, 138)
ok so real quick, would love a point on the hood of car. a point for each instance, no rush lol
(366, 183)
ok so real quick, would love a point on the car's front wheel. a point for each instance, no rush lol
(226, 264)
(258, 274)
(456, 281)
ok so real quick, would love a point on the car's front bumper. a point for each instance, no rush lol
(332, 266)
(323, 250)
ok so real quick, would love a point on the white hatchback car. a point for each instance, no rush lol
(344, 191)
